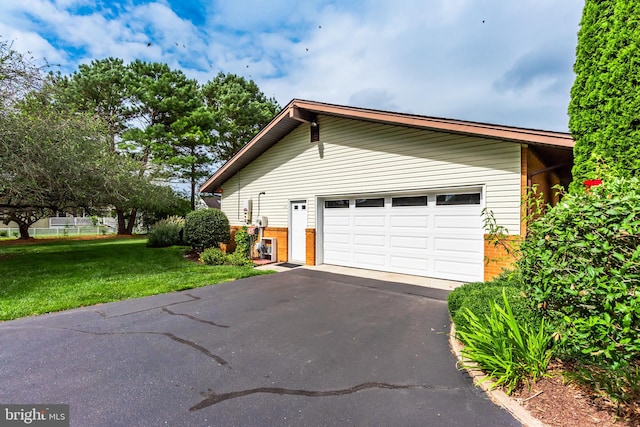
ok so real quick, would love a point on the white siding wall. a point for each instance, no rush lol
(357, 157)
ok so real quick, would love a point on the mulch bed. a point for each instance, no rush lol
(560, 403)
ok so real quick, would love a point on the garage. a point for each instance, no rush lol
(435, 234)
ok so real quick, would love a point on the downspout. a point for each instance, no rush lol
(239, 201)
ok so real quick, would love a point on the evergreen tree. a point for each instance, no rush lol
(239, 111)
(604, 112)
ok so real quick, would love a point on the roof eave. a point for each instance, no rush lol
(301, 111)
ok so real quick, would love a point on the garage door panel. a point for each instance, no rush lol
(369, 240)
(369, 221)
(339, 257)
(340, 238)
(337, 220)
(420, 261)
(458, 245)
(401, 221)
(370, 259)
(409, 242)
(457, 222)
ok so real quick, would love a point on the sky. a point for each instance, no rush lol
(494, 61)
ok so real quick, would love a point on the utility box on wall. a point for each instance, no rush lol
(247, 211)
(268, 249)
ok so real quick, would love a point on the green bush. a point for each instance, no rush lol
(214, 256)
(206, 228)
(243, 242)
(581, 266)
(477, 297)
(457, 297)
(239, 260)
(507, 349)
(479, 302)
(166, 232)
(4, 233)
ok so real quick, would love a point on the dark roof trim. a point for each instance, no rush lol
(300, 111)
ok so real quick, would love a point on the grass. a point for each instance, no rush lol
(56, 275)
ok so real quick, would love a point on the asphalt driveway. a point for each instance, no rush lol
(299, 348)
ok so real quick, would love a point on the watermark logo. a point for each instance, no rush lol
(34, 415)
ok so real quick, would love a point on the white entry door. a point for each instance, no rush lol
(298, 242)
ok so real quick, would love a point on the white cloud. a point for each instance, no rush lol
(484, 60)
(32, 44)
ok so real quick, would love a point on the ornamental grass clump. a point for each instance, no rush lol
(166, 232)
(508, 350)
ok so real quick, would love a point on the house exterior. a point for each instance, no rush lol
(388, 191)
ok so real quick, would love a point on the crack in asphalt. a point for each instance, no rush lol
(175, 338)
(195, 298)
(188, 316)
(106, 316)
(214, 398)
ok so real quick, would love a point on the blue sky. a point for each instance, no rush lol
(497, 61)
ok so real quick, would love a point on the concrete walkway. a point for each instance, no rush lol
(374, 274)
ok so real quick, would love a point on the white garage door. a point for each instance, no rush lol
(434, 235)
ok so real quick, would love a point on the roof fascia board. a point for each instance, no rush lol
(520, 135)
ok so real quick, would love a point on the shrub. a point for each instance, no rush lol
(206, 228)
(508, 350)
(477, 297)
(4, 233)
(581, 263)
(457, 297)
(243, 243)
(239, 260)
(166, 232)
(214, 256)
(480, 299)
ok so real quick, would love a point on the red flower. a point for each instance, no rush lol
(592, 183)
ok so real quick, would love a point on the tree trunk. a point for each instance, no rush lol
(24, 231)
(132, 221)
(126, 221)
(193, 194)
(122, 227)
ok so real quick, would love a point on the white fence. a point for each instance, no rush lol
(59, 232)
(71, 221)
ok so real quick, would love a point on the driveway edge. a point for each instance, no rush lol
(497, 396)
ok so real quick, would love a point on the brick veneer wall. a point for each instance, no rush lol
(496, 257)
(281, 235)
(311, 246)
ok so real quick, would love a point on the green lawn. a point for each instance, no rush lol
(55, 275)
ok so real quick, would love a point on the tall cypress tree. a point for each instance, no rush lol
(604, 112)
